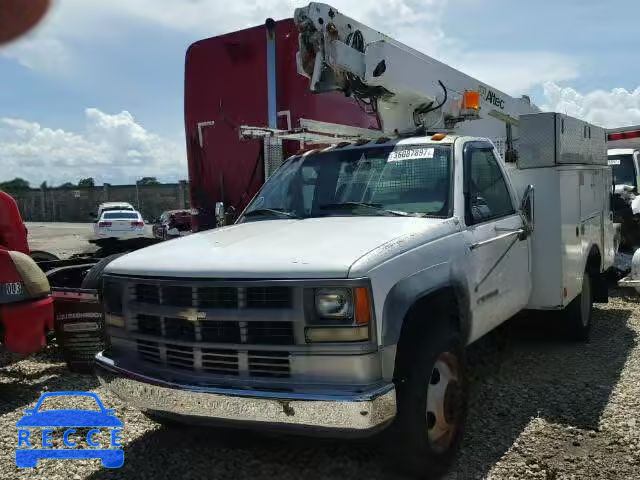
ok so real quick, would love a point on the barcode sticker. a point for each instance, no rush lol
(614, 162)
(411, 154)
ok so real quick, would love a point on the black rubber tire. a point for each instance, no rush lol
(80, 359)
(577, 328)
(407, 438)
(40, 256)
(93, 278)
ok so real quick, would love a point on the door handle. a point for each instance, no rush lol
(489, 241)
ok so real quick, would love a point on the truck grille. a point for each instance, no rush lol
(210, 331)
(213, 329)
(214, 297)
(215, 361)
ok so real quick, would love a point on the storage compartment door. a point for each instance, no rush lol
(592, 201)
(570, 211)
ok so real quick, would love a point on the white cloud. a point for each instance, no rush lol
(111, 148)
(517, 73)
(44, 53)
(614, 108)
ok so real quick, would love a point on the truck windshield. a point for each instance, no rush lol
(623, 170)
(402, 180)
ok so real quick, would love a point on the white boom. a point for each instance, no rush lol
(408, 89)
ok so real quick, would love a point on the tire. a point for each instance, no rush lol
(578, 315)
(40, 256)
(78, 350)
(428, 428)
(93, 278)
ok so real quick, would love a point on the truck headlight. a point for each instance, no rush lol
(334, 303)
(350, 310)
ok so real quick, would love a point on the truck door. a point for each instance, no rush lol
(499, 256)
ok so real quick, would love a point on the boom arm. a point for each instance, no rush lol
(407, 88)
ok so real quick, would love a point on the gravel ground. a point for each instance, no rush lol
(61, 239)
(540, 409)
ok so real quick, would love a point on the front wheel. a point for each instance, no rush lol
(432, 404)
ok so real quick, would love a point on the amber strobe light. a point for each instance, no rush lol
(471, 100)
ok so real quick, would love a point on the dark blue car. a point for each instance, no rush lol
(69, 418)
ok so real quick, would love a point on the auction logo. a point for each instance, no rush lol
(35, 430)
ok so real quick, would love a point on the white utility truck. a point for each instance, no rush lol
(344, 296)
(624, 153)
(624, 160)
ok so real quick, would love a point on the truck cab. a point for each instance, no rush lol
(624, 165)
(624, 160)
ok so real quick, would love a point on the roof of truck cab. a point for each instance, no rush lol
(630, 128)
(448, 139)
(115, 204)
(621, 151)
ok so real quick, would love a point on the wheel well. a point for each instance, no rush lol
(594, 261)
(443, 308)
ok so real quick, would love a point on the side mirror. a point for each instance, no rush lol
(527, 209)
(220, 214)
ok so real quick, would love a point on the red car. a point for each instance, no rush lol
(26, 306)
(172, 223)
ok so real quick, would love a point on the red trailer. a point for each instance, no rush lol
(248, 77)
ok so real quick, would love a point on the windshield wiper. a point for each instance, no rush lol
(271, 211)
(373, 206)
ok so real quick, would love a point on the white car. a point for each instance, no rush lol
(113, 206)
(119, 224)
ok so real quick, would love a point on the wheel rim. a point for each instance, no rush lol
(443, 395)
(585, 301)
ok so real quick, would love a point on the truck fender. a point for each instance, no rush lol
(404, 294)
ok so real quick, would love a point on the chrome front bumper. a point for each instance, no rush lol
(357, 414)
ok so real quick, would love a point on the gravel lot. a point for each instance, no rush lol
(540, 409)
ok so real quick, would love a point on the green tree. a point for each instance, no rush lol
(67, 185)
(148, 181)
(43, 185)
(87, 182)
(15, 185)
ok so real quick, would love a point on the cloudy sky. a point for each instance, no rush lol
(97, 89)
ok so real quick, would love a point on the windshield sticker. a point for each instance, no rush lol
(614, 162)
(411, 154)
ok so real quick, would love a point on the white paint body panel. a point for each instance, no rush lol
(567, 199)
(311, 248)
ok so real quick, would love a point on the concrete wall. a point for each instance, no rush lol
(76, 204)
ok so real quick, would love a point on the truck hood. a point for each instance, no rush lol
(312, 248)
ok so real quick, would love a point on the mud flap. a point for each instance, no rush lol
(600, 288)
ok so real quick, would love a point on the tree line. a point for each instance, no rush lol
(20, 184)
